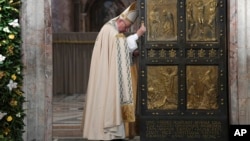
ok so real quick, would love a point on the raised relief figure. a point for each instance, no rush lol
(190, 20)
(201, 20)
(162, 20)
(154, 22)
(202, 90)
(162, 87)
(211, 18)
(168, 26)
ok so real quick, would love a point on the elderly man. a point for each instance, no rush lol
(109, 101)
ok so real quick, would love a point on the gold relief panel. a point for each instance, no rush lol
(202, 87)
(162, 20)
(162, 87)
(201, 23)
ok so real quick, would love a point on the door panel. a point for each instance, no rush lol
(183, 70)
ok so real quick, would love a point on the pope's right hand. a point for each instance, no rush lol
(141, 30)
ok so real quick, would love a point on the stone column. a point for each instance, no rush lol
(83, 22)
(243, 46)
(37, 58)
(239, 23)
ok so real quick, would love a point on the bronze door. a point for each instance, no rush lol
(183, 90)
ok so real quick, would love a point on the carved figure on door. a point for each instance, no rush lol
(154, 19)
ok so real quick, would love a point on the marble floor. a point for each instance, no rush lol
(67, 117)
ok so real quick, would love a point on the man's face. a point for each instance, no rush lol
(123, 25)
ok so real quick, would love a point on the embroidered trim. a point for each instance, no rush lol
(120, 35)
(125, 84)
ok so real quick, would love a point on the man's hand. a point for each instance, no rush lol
(141, 30)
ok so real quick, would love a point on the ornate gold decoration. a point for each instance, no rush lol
(212, 53)
(201, 53)
(120, 35)
(191, 53)
(151, 53)
(162, 20)
(163, 53)
(202, 91)
(162, 87)
(201, 20)
(172, 53)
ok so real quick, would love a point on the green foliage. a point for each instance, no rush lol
(11, 78)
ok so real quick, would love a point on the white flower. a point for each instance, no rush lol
(6, 29)
(2, 58)
(12, 85)
(14, 23)
(18, 115)
(18, 70)
(2, 115)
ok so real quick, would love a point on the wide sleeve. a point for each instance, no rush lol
(131, 40)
